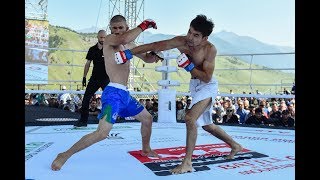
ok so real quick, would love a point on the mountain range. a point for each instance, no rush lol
(231, 43)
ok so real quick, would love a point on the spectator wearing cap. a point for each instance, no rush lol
(258, 118)
(285, 120)
(251, 110)
(62, 98)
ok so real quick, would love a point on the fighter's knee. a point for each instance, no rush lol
(146, 119)
(149, 117)
(102, 134)
(189, 121)
(187, 118)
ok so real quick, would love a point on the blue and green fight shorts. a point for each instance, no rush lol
(117, 101)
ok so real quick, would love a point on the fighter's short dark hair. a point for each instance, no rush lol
(202, 24)
(118, 18)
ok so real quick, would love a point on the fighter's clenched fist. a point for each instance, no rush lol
(184, 61)
(148, 23)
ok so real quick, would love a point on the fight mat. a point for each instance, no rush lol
(267, 154)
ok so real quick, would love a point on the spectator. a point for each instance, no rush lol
(216, 115)
(148, 104)
(246, 104)
(42, 100)
(53, 102)
(154, 111)
(230, 117)
(265, 110)
(283, 106)
(99, 104)
(63, 97)
(180, 111)
(257, 118)
(285, 120)
(250, 113)
(93, 110)
(229, 103)
(77, 100)
(188, 102)
(274, 113)
(241, 112)
(224, 108)
(142, 102)
(291, 109)
(69, 106)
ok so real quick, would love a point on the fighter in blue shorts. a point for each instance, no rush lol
(116, 100)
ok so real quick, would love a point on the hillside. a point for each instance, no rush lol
(61, 61)
(68, 66)
(226, 76)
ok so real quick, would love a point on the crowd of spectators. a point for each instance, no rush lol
(277, 112)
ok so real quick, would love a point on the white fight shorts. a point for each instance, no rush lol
(199, 91)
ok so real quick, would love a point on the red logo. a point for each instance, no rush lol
(203, 155)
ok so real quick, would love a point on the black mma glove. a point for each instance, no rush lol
(84, 82)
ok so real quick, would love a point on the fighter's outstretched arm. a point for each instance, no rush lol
(130, 35)
(159, 45)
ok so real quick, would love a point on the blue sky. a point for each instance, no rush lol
(269, 21)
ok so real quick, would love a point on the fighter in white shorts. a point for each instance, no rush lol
(198, 58)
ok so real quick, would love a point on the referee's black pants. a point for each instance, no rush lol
(92, 88)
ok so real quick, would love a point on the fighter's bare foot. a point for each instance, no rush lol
(59, 161)
(182, 168)
(234, 150)
(149, 153)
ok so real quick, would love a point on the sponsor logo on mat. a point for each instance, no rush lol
(33, 148)
(85, 129)
(212, 157)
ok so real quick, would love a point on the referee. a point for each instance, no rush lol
(98, 79)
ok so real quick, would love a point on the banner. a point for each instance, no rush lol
(36, 51)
